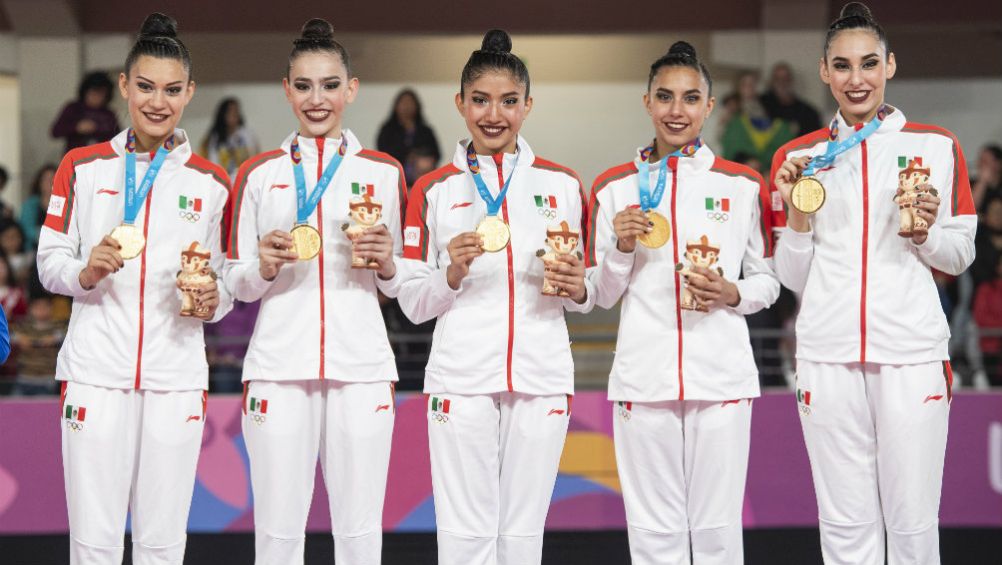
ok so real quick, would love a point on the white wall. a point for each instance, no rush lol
(969, 108)
(10, 136)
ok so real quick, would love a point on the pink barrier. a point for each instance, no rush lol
(586, 497)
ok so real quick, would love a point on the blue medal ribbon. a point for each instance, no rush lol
(493, 204)
(648, 200)
(305, 205)
(134, 198)
(836, 148)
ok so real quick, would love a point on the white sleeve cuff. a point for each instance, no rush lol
(619, 262)
(797, 241)
(931, 243)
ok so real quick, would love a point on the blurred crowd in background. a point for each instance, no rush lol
(756, 123)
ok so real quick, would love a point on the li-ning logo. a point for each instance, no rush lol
(440, 409)
(381, 407)
(557, 411)
(189, 208)
(718, 209)
(257, 409)
(932, 398)
(461, 205)
(278, 186)
(546, 206)
(625, 410)
(107, 191)
(74, 416)
(804, 400)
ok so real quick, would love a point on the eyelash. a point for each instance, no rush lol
(691, 99)
(866, 66)
(172, 91)
(479, 100)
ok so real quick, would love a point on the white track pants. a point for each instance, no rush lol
(129, 449)
(876, 436)
(682, 466)
(286, 426)
(494, 461)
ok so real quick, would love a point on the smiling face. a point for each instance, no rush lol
(494, 107)
(678, 102)
(156, 91)
(857, 69)
(318, 89)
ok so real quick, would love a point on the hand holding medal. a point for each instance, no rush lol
(104, 259)
(463, 249)
(275, 249)
(629, 225)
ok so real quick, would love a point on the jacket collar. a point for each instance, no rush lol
(524, 153)
(892, 123)
(701, 161)
(177, 157)
(308, 145)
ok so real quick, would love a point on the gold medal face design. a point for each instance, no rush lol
(131, 239)
(660, 232)
(808, 195)
(495, 233)
(306, 241)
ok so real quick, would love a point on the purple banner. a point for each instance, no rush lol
(587, 494)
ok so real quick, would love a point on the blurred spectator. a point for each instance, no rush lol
(12, 246)
(751, 161)
(781, 102)
(226, 345)
(6, 212)
(406, 136)
(229, 143)
(988, 315)
(12, 297)
(88, 119)
(37, 339)
(753, 131)
(989, 179)
(988, 241)
(35, 207)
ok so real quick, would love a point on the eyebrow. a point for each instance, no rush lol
(669, 91)
(506, 94)
(864, 57)
(141, 77)
(324, 79)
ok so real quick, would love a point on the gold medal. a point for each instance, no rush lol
(131, 239)
(306, 241)
(495, 234)
(660, 232)
(808, 195)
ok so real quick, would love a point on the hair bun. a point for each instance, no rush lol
(317, 29)
(682, 48)
(856, 10)
(158, 25)
(496, 40)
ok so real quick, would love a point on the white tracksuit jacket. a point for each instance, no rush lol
(126, 331)
(319, 319)
(868, 294)
(497, 332)
(664, 352)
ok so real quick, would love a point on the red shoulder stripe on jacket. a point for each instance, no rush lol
(733, 169)
(961, 201)
(237, 197)
(64, 183)
(385, 158)
(206, 167)
(547, 165)
(417, 210)
(603, 180)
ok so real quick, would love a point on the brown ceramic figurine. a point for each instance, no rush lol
(699, 253)
(913, 181)
(561, 240)
(194, 275)
(365, 213)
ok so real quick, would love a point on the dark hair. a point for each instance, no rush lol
(35, 182)
(994, 149)
(4, 176)
(9, 224)
(317, 36)
(681, 54)
(10, 270)
(158, 38)
(418, 114)
(855, 15)
(97, 80)
(494, 55)
(218, 131)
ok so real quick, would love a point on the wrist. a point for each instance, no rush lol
(734, 295)
(798, 221)
(388, 271)
(622, 248)
(85, 280)
(452, 277)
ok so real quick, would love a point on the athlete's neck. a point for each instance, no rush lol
(481, 150)
(333, 133)
(147, 143)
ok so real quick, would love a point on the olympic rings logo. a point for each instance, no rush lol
(439, 418)
(75, 426)
(625, 414)
(190, 216)
(547, 213)
(258, 419)
(720, 217)
(805, 410)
